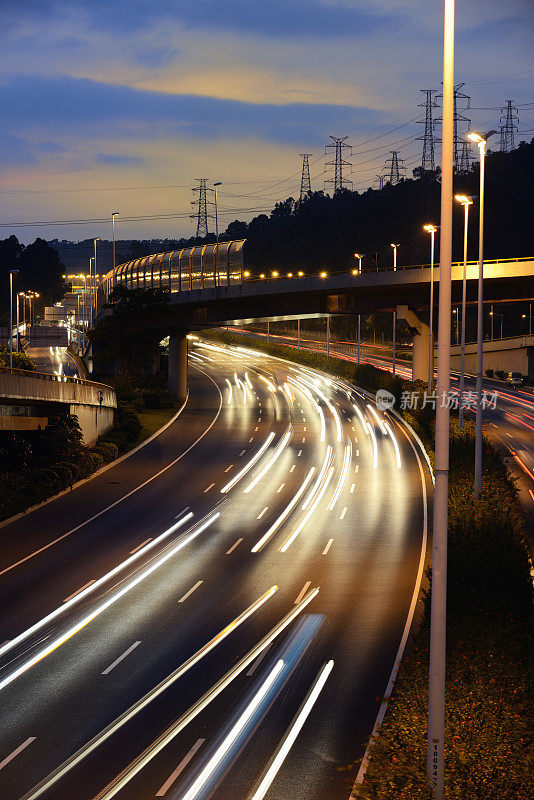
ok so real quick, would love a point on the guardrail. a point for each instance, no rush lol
(47, 376)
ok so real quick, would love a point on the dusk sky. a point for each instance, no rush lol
(101, 101)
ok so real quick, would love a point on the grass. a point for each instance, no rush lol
(152, 419)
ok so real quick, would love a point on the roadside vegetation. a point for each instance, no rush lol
(489, 699)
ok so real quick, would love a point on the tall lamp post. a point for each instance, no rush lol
(436, 706)
(113, 215)
(11, 273)
(359, 256)
(217, 262)
(93, 304)
(481, 142)
(466, 202)
(19, 295)
(394, 246)
(431, 229)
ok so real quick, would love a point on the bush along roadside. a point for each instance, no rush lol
(489, 694)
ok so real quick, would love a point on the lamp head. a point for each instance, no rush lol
(218, 183)
(395, 245)
(114, 213)
(478, 138)
(430, 228)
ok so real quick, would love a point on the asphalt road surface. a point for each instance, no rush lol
(219, 614)
(56, 360)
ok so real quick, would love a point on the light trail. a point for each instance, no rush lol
(270, 386)
(274, 527)
(361, 418)
(249, 465)
(72, 631)
(234, 733)
(292, 732)
(275, 456)
(375, 447)
(347, 458)
(308, 514)
(320, 477)
(395, 444)
(93, 586)
(174, 729)
(247, 381)
(230, 391)
(375, 415)
(113, 727)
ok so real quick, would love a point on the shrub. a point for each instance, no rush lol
(107, 450)
(500, 373)
(489, 373)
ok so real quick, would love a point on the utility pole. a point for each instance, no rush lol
(338, 181)
(394, 166)
(380, 181)
(509, 117)
(202, 203)
(305, 183)
(429, 140)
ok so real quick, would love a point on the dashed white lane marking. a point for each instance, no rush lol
(190, 592)
(206, 490)
(354, 429)
(256, 428)
(251, 439)
(299, 453)
(328, 546)
(303, 439)
(352, 488)
(241, 453)
(356, 439)
(233, 547)
(302, 593)
(79, 590)
(121, 658)
(180, 768)
(257, 662)
(182, 512)
(293, 467)
(280, 488)
(356, 468)
(260, 515)
(139, 546)
(357, 452)
(304, 420)
(305, 427)
(342, 515)
(229, 468)
(16, 751)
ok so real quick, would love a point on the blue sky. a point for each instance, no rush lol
(101, 101)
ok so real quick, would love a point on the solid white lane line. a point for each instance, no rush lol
(139, 546)
(293, 467)
(121, 658)
(16, 751)
(299, 453)
(302, 593)
(241, 453)
(280, 488)
(251, 439)
(229, 468)
(328, 546)
(352, 488)
(258, 661)
(260, 515)
(342, 515)
(180, 768)
(233, 547)
(66, 600)
(190, 592)
(206, 490)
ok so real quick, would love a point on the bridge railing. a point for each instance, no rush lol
(48, 376)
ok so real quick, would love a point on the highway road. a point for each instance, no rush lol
(56, 360)
(219, 614)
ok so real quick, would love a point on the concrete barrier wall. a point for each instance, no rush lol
(509, 355)
(93, 421)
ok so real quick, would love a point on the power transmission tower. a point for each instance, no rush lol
(394, 166)
(338, 181)
(428, 163)
(305, 183)
(464, 160)
(458, 117)
(509, 116)
(380, 181)
(202, 203)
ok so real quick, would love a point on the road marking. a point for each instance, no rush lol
(241, 453)
(229, 468)
(260, 515)
(356, 439)
(328, 546)
(251, 439)
(182, 512)
(305, 427)
(208, 488)
(302, 593)
(299, 453)
(353, 428)
(280, 488)
(16, 751)
(120, 658)
(304, 420)
(341, 516)
(256, 428)
(303, 439)
(78, 591)
(531, 493)
(357, 452)
(233, 547)
(293, 467)
(190, 592)
(357, 467)
(180, 768)
(139, 546)
(352, 488)
(258, 661)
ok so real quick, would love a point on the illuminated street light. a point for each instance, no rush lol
(113, 215)
(300, 274)
(432, 230)
(323, 275)
(359, 256)
(274, 274)
(217, 261)
(394, 246)
(466, 202)
(11, 273)
(481, 142)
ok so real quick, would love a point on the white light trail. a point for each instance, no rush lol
(375, 447)
(247, 380)
(319, 478)
(293, 731)
(230, 391)
(395, 445)
(274, 527)
(92, 587)
(249, 465)
(234, 733)
(323, 427)
(361, 417)
(277, 453)
(271, 386)
(41, 654)
(347, 458)
(375, 415)
(310, 511)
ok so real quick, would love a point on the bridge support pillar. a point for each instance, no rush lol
(178, 365)
(420, 331)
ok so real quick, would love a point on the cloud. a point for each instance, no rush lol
(116, 160)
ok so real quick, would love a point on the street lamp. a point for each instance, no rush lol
(218, 183)
(431, 229)
(466, 202)
(113, 215)
(496, 314)
(19, 295)
(394, 246)
(481, 142)
(359, 256)
(11, 273)
(93, 297)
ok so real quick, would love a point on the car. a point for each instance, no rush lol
(514, 379)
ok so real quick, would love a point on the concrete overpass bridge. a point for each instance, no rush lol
(207, 288)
